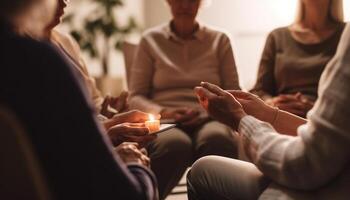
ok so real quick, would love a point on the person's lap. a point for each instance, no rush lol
(175, 150)
(214, 138)
(170, 154)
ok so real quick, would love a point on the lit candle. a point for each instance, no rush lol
(152, 124)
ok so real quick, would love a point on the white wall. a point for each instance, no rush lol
(132, 8)
(248, 22)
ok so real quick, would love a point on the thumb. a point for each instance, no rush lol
(105, 103)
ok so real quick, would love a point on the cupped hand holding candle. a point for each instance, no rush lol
(152, 124)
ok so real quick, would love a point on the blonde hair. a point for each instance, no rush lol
(335, 12)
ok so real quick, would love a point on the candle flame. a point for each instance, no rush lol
(151, 117)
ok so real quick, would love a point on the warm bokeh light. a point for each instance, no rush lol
(151, 117)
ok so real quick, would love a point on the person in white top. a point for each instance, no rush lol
(292, 157)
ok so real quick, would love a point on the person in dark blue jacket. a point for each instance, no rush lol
(44, 91)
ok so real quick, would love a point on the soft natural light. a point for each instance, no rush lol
(281, 11)
(347, 10)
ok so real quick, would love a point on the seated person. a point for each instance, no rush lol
(312, 162)
(295, 56)
(171, 60)
(118, 125)
(70, 49)
(48, 97)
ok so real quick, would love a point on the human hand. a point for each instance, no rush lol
(131, 153)
(255, 106)
(114, 105)
(195, 122)
(180, 115)
(133, 116)
(296, 104)
(130, 132)
(220, 104)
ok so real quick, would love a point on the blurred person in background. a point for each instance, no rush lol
(295, 56)
(170, 61)
(71, 50)
(48, 96)
(122, 125)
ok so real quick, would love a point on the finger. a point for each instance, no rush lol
(204, 93)
(135, 125)
(123, 129)
(104, 105)
(214, 88)
(242, 95)
(137, 131)
(136, 116)
(146, 161)
(144, 151)
(122, 101)
(288, 97)
(298, 95)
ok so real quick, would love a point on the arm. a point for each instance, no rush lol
(282, 121)
(89, 80)
(287, 123)
(265, 86)
(308, 161)
(84, 152)
(228, 70)
(320, 152)
(141, 80)
(71, 47)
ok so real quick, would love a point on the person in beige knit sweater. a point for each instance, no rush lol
(170, 61)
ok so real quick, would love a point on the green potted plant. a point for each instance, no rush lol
(99, 32)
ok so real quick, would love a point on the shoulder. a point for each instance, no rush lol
(66, 41)
(215, 32)
(279, 32)
(30, 49)
(155, 32)
(35, 55)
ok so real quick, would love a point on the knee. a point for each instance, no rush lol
(180, 145)
(173, 144)
(215, 133)
(199, 175)
(216, 142)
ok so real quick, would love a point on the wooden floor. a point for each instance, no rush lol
(177, 197)
(180, 188)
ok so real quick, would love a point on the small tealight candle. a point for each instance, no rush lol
(152, 124)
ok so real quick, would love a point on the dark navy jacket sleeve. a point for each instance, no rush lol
(76, 155)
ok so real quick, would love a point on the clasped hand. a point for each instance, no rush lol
(129, 127)
(185, 117)
(131, 152)
(297, 103)
(229, 107)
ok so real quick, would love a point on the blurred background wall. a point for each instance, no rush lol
(247, 21)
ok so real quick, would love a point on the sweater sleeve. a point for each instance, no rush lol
(228, 69)
(141, 80)
(265, 86)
